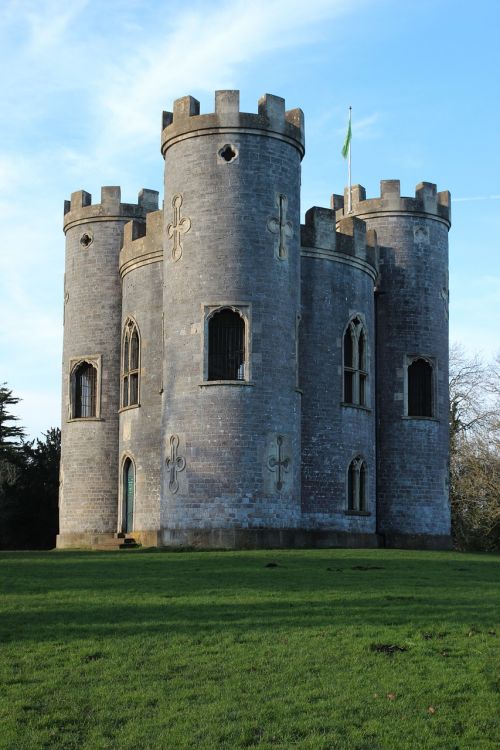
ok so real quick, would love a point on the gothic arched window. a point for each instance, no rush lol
(355, 364)
(226, 346)
(420, 380)
(84, 391)
(130, 364)
(357, 485)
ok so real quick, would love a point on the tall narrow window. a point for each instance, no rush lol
(356, 485)
(226, 346)
(355, 364)
(420, 388)
(130, 365)
(84, 391)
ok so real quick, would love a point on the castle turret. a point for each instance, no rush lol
(412, 360)
(231, 417)
(337, 376)
(91, 364)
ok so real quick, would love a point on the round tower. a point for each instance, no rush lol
(412, 361)
(88, 503)
(231, 414)
(337, 375)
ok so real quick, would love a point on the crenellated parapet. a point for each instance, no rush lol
(272, 119)
(81, 210)
(346, 241)
(427, 202)
(142, 242)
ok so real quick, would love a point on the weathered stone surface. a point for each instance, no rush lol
(261, 461)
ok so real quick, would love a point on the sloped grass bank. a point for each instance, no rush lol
(323, 649)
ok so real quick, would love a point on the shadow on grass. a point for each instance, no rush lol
(83, 595)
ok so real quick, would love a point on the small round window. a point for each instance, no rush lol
(228, 152)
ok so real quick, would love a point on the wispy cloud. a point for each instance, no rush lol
(82, 90)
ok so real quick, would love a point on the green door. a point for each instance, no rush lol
(128, 496)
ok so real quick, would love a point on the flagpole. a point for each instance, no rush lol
(349, 195)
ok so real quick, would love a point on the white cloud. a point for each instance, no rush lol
(82, 92)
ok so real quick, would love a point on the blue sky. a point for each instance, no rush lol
(84, 84)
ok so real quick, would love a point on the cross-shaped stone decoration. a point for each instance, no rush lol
(178, 227)
(280, 226)
(174, 464)
(279, 465)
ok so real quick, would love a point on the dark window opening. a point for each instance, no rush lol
(130, 365)
(226, 346)
(420, 389)
(84, 387)
(85, 240)
(356, 485)
(228, 153)
(355, 368)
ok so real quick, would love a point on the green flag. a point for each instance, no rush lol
(347, 142)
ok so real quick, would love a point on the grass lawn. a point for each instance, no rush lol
(322, 649)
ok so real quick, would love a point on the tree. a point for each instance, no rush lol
(11, 437)
(474, 451)
(29, 482)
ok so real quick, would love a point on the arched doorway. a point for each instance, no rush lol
(128, 495)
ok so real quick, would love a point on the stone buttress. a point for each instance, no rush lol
(231, 448)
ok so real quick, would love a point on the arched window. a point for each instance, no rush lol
(130, 364)
(357, 485)
(355, 364)
(128, 495)
(420, 388)
(84, 391)
(226, 346)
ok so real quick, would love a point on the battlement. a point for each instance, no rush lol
(427, 201)
(186, 121)
(348, 238)
(142, 242)
(80, 208)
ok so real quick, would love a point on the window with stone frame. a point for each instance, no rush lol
(130, 365)
(355, 364)
(226, 345)
(84, 391)
(357, 485)
(420, 387)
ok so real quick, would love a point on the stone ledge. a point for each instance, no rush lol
(264, 538)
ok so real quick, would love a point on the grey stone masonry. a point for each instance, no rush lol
(141, 268)
(412, 322)
(92, 323)
(287, 385)
(234, 256)
(339, 270)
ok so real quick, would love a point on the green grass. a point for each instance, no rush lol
(153, 650)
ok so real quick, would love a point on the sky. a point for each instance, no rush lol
(84, 84)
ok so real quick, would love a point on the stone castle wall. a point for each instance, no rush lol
(261, 460)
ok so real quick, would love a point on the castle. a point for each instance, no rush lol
(234, 379)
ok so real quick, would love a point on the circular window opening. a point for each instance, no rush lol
(86, 239)
(228, 152)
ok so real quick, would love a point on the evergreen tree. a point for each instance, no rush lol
(11, 436)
